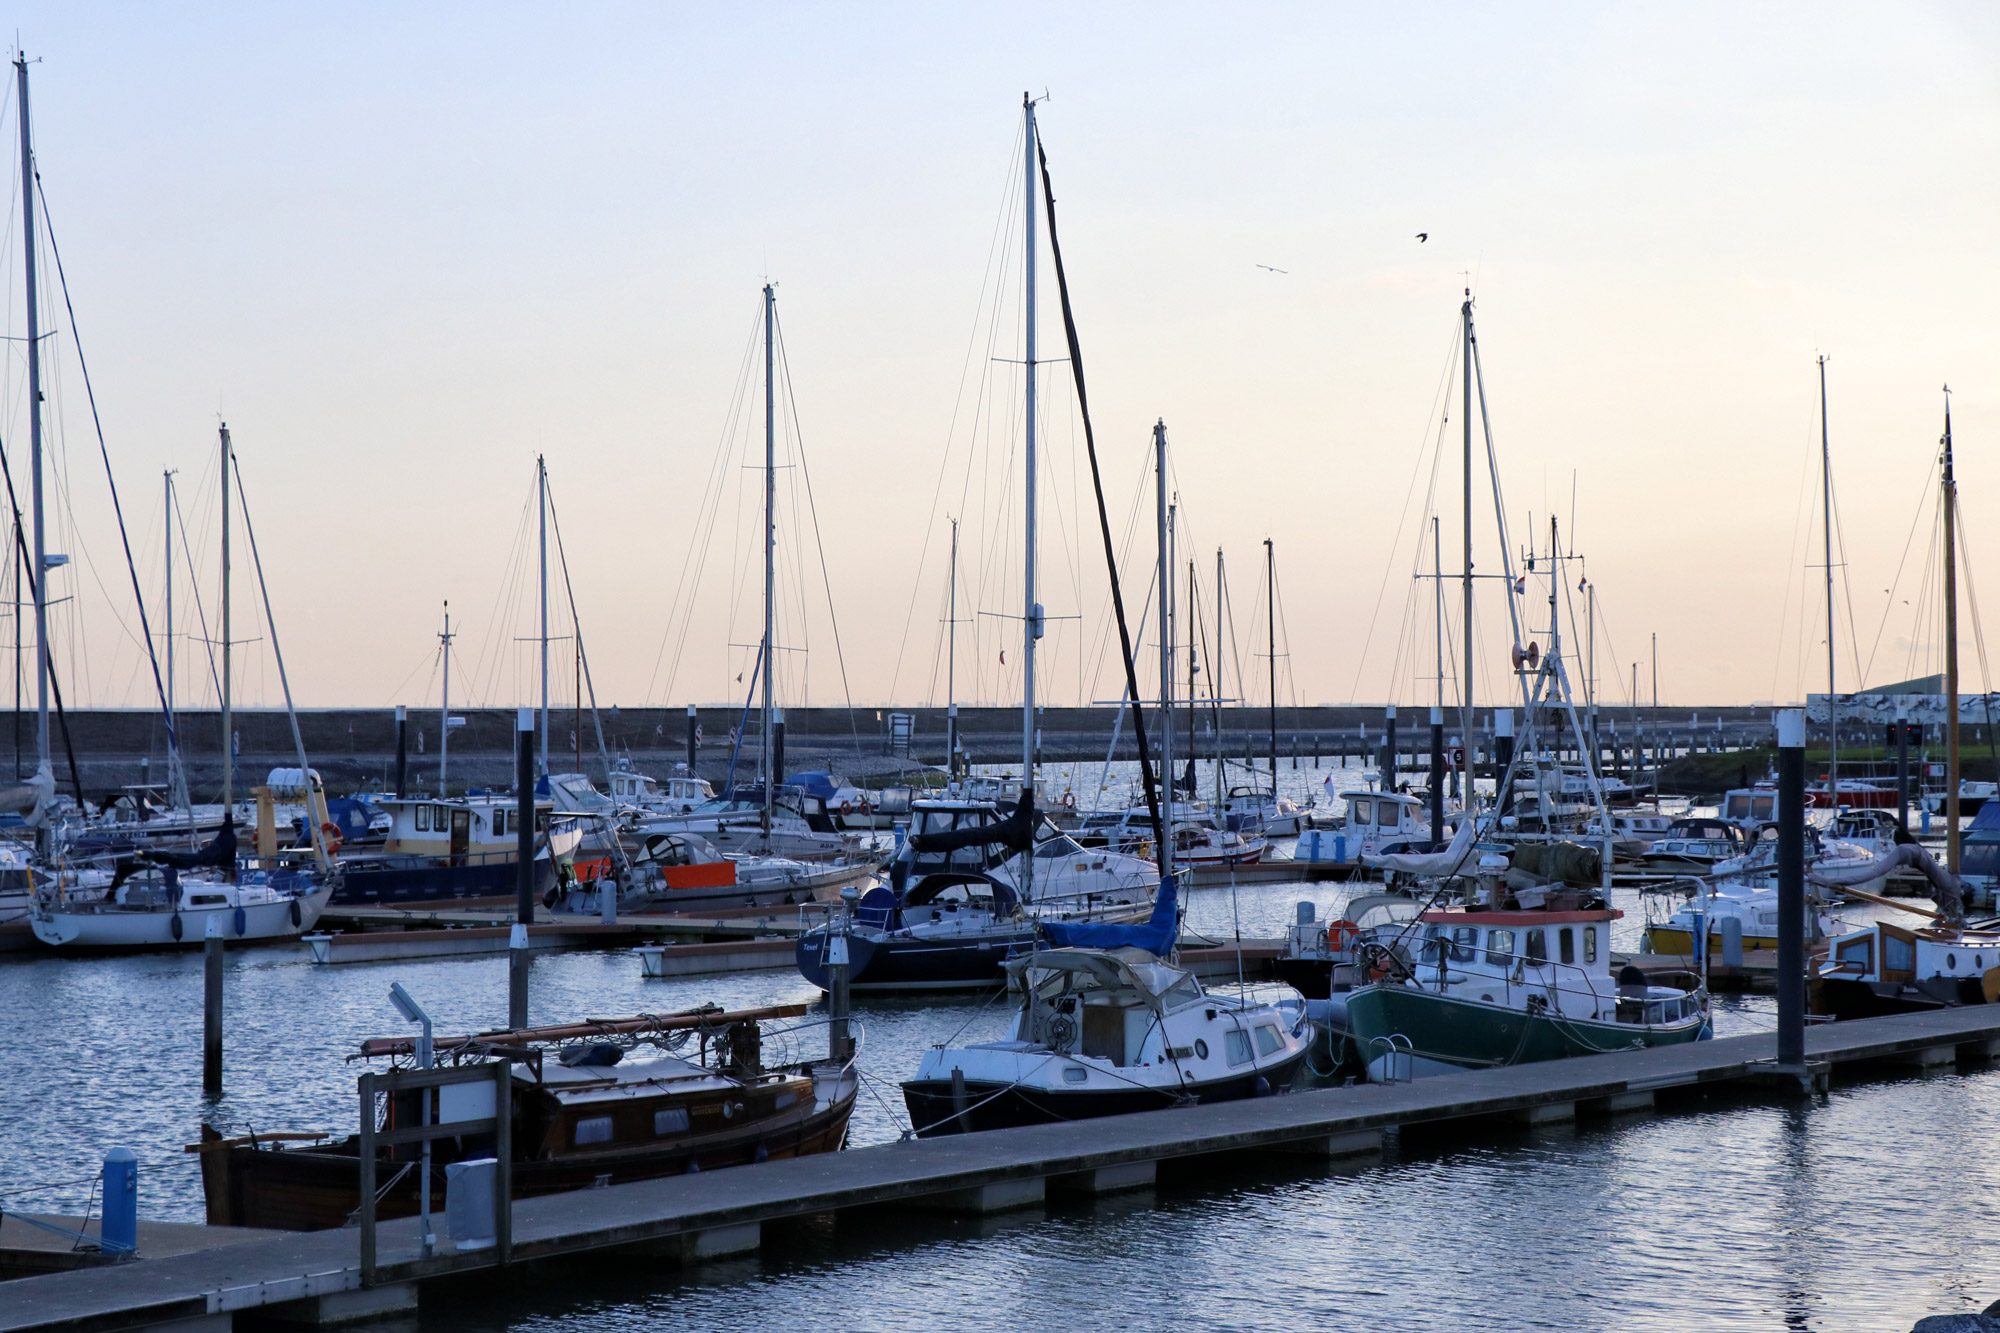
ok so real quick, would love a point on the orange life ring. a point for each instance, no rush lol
(330, 834)
(1069, 800)
(1341, 935)
(847, 807)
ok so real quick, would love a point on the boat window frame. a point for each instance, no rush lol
(1464, 944)
(589, 1124)
(670, 1115)
(1268, 1045)
(1589, 945)
(1233, 1039)
(1566, 946)
(1499, 947)
(1535, 946)
(1361, 811)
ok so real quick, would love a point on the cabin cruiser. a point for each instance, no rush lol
(658, 796)
(853, 807)
(1378, 820)
(960, 901)
(455, 847)
(1972, 798)
(1633, 834)
(1519, 971)
(1693, 846)
(589, 1106)
(1253, 810)
(1101, 1031)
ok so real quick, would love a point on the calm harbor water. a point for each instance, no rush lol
(1862, 1212)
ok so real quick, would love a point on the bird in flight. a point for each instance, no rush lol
(1268, 269)
(1423, 236)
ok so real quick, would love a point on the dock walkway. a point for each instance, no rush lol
(315, 1277)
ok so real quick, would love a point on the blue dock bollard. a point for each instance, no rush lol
(1340, 848)
(120, 1233)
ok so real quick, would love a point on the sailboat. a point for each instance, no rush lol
(977, 882)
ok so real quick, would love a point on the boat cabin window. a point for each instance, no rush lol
(1566, 945)
(1859, 951)
(1388, 815)
(207, 900)
(1738, 807)
(1268, 1040)
(1898, 955)
(1464, 943)
(1538, 946)
(1590, 944)
(1361, 810)
(1764, 807)
(673, 1121)
(423, 819)
(1237, 1042)
(1499, 947)
(499, 822)
(596, 1129)
(1057, 848)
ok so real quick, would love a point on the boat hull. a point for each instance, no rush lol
(313, 1189)
(392, 882)
(154, 929)
(935, 1110)
(1466, 1034)
(1844, 997)
(895, 962)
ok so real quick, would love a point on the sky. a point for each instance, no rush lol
(404, 250)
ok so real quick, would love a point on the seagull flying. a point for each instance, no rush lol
(1268, 269)
(1423, 236)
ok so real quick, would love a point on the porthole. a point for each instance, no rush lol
(1951, 961)
(1075, 1075)
(1200, 1049)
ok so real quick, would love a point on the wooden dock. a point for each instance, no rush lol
(316, 1277)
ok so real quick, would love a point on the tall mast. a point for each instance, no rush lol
(1826, 517)
(41, 570)
(1193, 668)
(1950, 647)
(228, 728)
(951, 662)
(1271, 643)
(1215, 682)
(1437, 577)
(167, 478)
(770, 545)
(542, 514)
(1165, 583)
(444, 718)
(1465, 625)
(1032, 614)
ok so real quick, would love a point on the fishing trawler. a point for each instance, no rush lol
(589, 1107)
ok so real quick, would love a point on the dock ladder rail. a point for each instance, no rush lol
(1394, 1044)
(499, 1074)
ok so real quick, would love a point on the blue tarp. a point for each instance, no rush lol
(1157, 936)
(815, 784)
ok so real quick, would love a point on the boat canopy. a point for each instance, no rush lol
(1016, 831)
(1158, 936)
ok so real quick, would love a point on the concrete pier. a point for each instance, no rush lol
(714, 1213)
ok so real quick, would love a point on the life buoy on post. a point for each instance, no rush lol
(1341, 935)
(1069, 800)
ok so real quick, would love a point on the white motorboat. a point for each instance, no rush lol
(1105, 1031)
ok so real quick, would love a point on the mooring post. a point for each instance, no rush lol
(211, 1007)
(118, 1234)
(839, 1045)
(1437, 774)
(777, 746)
(402, 752)
(1389, 751)
(1791, 890)
(693, 739)
(524, 878)
(1503, 755)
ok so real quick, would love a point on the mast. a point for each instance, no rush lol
(1465, 627)
(951, 663)
(1192, 670)
(444, 718)
(228, 728)
(1437, 575)
(1165, 583)
(1032, 612)
(42, 759)
(1215, 683)
(542, 514)
(1826, 525)
(1950, 647)
(1271, 637)
(167, 478)
(770, 548)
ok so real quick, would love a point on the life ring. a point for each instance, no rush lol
(330, 834)
(1341, 935)
(1069, 800)
(847, 807)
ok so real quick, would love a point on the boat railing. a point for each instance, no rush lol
(1395, 1050)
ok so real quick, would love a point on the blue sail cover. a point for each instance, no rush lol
(1157, 936)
